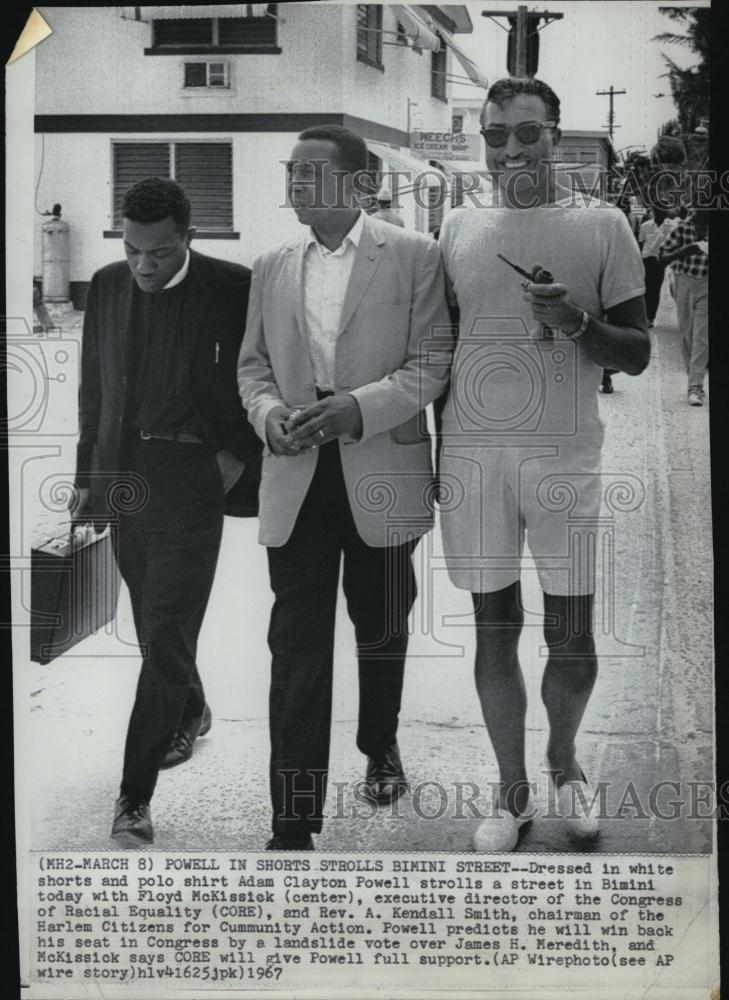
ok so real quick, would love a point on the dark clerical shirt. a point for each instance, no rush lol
(162, 360)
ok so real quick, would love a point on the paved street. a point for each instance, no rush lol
(649, 720)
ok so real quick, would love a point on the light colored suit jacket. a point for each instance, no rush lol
(393, 354)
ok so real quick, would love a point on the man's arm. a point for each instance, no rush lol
(423, 376)
(677, 245)
(620, 342)
(668, 256)
(239, 446)
(256, 382)
(259, 392)
(89, 399)
(618, 337)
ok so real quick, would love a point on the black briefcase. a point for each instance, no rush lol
(74, 589)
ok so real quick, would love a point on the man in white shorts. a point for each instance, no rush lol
(522, 433)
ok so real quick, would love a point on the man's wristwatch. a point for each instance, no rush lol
(580, 329)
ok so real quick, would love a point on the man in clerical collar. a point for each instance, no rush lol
(164, 450)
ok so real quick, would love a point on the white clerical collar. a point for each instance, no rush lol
(181, 274)
(354, 235)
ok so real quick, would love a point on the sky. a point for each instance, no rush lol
(596, 43)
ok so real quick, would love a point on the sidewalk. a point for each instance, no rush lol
(650, 718)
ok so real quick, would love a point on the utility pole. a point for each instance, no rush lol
(612, 93)
(523, 37)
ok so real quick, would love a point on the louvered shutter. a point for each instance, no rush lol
(205, 171)
(134, 161)
(246, 31)
(183, 31)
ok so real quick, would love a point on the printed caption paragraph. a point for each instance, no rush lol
(248, 921)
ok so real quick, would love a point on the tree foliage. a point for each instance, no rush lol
(690, 87)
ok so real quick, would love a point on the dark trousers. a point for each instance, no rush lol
(167, 552)
(379, 586)
(653, 280)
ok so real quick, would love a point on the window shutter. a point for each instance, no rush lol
(205, 171)
(247, 31)
(369, 32)
(183, 31)
(362, 25)
(134, 161)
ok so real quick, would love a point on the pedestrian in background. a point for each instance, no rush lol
(385, 211)
(686, 248)
(651, 237)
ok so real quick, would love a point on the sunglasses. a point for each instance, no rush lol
(527, 133)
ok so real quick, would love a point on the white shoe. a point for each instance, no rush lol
(696, 395)
(575, 802)
(499, 833)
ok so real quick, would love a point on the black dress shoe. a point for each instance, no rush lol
(132, 826)
(290, 843)
(385, 779)
(182, 742)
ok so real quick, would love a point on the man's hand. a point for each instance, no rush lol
(279, 441)
(79, 500)
(691, 250)
(552, 305)
(231, 468)
(330, 418)
(688, 251)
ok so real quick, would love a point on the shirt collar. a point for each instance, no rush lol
(354, 235)
(181, 274)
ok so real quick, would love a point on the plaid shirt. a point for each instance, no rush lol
(696, 265)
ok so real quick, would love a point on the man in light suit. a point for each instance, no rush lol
(347, 341)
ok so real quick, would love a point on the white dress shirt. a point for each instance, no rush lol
(653, 236)
(326, 276)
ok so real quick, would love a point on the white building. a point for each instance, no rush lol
(215, 97)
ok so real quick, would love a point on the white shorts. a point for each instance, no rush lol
(495, 496)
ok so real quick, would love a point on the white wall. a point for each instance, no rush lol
(75, 170)
(94, 63)
(77, 173)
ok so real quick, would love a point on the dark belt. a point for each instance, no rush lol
(323, 393)
(180, 436)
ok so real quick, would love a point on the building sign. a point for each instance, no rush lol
(446, 145)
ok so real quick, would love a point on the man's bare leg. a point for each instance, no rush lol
(569, 678)
(500, 686)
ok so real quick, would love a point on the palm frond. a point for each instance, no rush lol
(668, 38)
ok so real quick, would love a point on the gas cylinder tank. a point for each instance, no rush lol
(56, 258)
